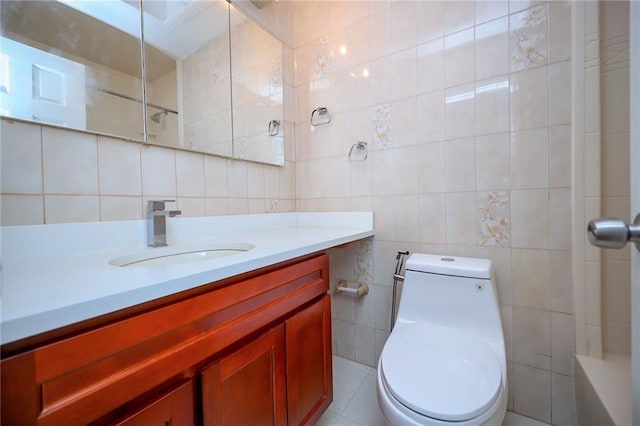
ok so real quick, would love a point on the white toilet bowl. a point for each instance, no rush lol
(444, 362)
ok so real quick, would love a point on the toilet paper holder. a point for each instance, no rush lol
(343, 287)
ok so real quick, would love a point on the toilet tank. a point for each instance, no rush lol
(448, 291)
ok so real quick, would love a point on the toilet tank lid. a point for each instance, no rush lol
(450, 265)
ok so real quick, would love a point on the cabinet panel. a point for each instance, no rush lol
(173, 409)
(309, 365)
(247, 387)
(89, 374)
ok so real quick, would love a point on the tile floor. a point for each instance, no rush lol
(355, 402)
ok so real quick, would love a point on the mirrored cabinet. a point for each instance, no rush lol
(194, 75)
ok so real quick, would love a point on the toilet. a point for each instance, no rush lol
(444, 362)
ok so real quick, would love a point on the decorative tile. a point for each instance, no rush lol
(382, 126)
(363, 267)
(322, 55)
(212, 62)
(529, 38)
(276, 75)
(493, 210)
(272, 206)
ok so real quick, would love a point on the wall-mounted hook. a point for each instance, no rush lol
(274, 127)
(320, 116)
(358, 151)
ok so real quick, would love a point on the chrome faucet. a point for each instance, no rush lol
(157, 222)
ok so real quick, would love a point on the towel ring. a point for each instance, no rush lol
(319, 113)
(356, 148)
(274, 127)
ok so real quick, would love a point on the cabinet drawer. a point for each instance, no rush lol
(76, 380)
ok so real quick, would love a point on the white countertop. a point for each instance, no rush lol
(56, 275)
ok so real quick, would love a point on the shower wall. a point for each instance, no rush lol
(465, 108)
(614, 80)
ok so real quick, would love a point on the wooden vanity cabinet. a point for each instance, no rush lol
(248, 387)
(282, 377)
(252, 349)
(309, 365)
(173, 409)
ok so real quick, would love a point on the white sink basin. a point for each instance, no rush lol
(174, 255)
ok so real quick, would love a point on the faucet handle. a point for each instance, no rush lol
(157, 205)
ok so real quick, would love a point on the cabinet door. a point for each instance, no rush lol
(248, 387)
(173, 409)
(309, 369)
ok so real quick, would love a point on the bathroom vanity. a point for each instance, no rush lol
(252, 347)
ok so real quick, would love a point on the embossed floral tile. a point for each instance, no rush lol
(493, 220)
(382, 126)
(528, 38)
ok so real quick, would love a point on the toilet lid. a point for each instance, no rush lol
(440, 372)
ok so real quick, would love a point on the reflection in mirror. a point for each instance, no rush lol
(77, 63)
(189, 103)
(73, 64)
(257, 82)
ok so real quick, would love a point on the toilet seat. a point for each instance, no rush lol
(440, 372)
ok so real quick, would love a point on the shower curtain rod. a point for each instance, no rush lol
(130, 98)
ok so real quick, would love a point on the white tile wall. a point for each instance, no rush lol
(470, 99)
(52, 175)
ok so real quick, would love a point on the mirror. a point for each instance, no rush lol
(61, 65)
(78, 64)
(189, 105)
(257, 82)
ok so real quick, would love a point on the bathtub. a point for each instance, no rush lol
(603, 390)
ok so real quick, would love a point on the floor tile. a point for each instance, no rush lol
(355, 402)
(363, 407)
(513, 419)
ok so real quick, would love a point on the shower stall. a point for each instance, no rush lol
(605, 184)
